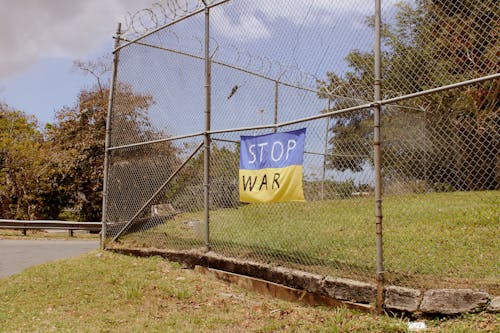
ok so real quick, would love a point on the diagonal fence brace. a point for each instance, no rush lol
(129, 223)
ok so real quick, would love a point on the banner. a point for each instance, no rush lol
(271, 167)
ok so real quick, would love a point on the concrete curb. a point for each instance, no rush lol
(399, 299)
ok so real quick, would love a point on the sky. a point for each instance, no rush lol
(40, 40)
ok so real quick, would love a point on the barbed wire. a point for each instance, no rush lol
(163, 12)
(237, 58)
(264, 66)
(160, 13)
(240, 59)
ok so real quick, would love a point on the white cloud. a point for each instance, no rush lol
(296, 10)
(33, 29)
(256, 16)
(244, 27)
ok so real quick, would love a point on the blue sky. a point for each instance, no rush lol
(314, 36)
(46, 86)
(41, 39)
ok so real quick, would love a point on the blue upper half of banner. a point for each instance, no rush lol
(276, 150)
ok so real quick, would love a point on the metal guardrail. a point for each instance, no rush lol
(49, 224)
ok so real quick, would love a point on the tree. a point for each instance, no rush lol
(79, 135)
(450, 138)
(43, 173)
(19, 140)
(28, 169)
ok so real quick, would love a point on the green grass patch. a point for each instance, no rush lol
(430, 240)
(108, 292)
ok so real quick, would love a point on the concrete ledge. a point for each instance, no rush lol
(333, 291)
(295, 279)
(402, 299)
(350, 290)
(494, 305)
(453, 301)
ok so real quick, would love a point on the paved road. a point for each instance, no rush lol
(16, 255)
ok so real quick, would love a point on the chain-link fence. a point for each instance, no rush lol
(191, 77)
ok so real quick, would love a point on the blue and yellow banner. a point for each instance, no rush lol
(271, 167)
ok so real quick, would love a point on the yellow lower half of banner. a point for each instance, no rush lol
(271, 185)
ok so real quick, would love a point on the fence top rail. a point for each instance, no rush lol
(319, 116)
(439, 89)
(248, 128)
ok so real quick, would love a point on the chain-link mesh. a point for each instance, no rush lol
(441, 151)
(274, 62)
(441, 181)
(433, 43)
(323, 235)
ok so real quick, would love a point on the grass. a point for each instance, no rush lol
(430, 240)
(108, 292)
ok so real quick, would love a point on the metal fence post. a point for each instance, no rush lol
(206, 160)
(276, 99)
(377, 158)
(276, 96)
(111, 99)
(325, 151)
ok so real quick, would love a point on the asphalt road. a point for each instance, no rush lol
(16, 255)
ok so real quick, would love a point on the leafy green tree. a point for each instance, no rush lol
(449, 138)
(29, 173)
(43, 173)
(19, 143)
(79, 134)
